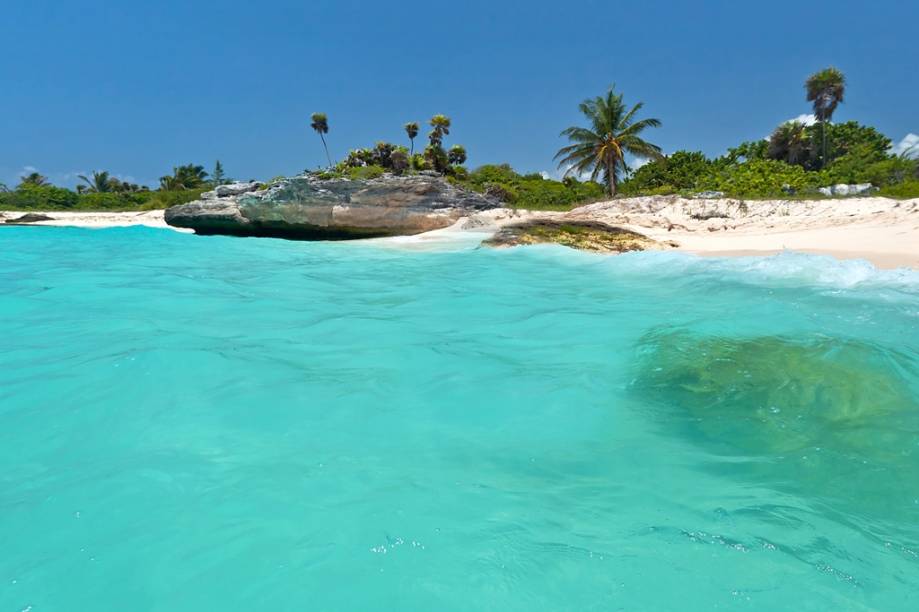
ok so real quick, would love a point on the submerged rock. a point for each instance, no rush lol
(578, 234)
(775, 395)
(833, 421)
(307, 207)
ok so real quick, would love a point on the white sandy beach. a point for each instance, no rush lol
(880, 230)
(94, 220)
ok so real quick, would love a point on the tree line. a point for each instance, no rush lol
(397, 158)
(795, 160)
(101, 190)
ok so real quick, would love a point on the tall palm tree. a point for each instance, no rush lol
(441, 128)
(320, 123)
(100, 182)
(825, 90)
(33, 178)
(411, 129)
(613, 132)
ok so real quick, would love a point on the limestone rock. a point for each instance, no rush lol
(310, 208)
(230, 189)
(847, 190)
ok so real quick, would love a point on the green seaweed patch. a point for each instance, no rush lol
(775, 395)
(584, 235)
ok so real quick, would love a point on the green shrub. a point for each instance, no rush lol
(907, 189)
(111, 201)
(761, 178)
(501, 192)
(531, 191)
(39, 197)
(365, 173)
(458, 173)
(681, 171)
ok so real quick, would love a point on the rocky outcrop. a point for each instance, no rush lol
(577, 234)
(28, 218)
(845, 191)
(309, 208)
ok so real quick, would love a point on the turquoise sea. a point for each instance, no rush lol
(210, 423)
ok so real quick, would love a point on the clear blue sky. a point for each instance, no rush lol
(137, 87)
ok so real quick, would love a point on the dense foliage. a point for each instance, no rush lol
(788, 163)
(49, 197)
(530, 191)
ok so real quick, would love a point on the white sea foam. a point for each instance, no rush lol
(786, 268)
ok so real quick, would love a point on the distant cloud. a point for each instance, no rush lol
(909, 145)
(638, 162)
(806, 119)
(559, 173)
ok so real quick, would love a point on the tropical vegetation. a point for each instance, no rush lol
(606, 156)
(100, 190)
(796, 160)
(613, 132)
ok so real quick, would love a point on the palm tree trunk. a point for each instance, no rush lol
(412, 152)
(611, 177)
(823, 135)
(326, 147)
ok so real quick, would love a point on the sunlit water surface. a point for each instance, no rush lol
(192, 423)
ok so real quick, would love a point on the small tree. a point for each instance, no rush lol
(399, 160)
(436, 158)
(217, 176)
(457, 155)
(33, 178)
(100, 182)
(189, 176)
(320, 123)
(790, 144)
(411, 129)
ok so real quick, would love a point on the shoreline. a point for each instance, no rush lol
(882, 231)
(91, 219)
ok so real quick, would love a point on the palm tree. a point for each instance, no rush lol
(100, 182)
(411, 129)
(441, 128)
(189, 176)
(320, 123)
(33, 178)
(825, 89)
(789, 143)
(457, 155)
(613, 132)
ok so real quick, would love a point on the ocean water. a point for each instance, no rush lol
(210, 423)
